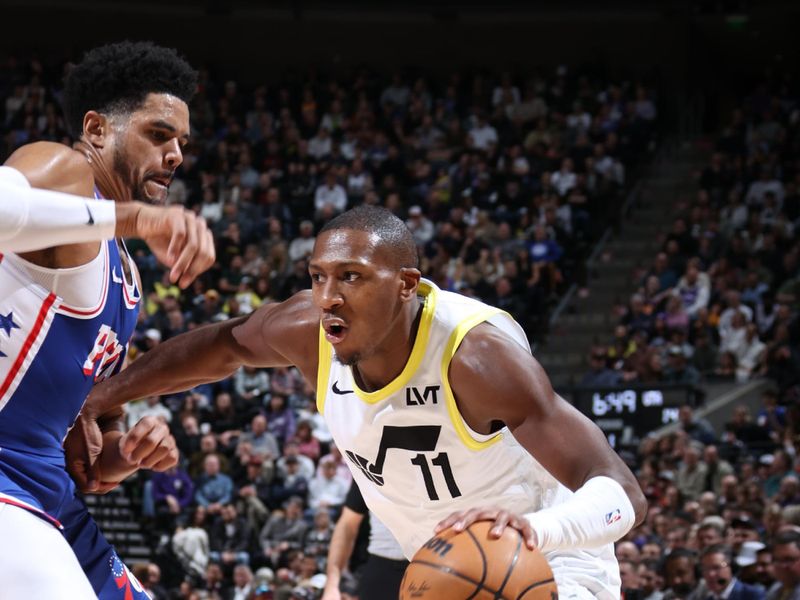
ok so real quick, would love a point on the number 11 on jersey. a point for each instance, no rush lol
(443, 463)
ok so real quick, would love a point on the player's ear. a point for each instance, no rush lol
(409, 282)
(96, 128)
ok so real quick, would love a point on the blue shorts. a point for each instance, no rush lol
(109, 577)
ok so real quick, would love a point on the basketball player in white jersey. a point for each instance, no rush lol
(435, 399)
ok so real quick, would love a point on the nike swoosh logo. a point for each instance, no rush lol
(91, 216)
(114, 277)
(336, 390)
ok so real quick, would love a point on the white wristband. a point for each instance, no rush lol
(33, 219)
(598, 513)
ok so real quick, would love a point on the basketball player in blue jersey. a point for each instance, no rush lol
(435, 399)
(69, 300)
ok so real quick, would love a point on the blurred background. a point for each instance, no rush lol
(622, 179)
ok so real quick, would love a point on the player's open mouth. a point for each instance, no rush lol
(335, 330)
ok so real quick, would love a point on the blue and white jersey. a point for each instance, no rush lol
(51, 354)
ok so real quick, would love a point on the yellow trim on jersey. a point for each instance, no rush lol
(461, 330)
(323, 370)
(417, 352)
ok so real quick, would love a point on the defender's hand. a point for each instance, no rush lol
(502, 518)
(177, 237)
(82, 448)
(149, 445)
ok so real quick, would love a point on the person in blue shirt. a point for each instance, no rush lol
(214, 489)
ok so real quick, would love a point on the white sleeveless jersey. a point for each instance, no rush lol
(416, 461)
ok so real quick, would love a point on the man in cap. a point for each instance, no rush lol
(748, 563)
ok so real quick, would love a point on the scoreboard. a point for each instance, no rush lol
(627, 413)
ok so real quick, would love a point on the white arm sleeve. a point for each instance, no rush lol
(598, 513)
(33, 219)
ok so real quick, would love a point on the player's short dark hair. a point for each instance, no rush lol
(391, 230)
(118, 77)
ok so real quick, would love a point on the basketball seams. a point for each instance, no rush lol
(534, 585)
(513, 564)
(483, 563)
(467, 583)
(452, 571)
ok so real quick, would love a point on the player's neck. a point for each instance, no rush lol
(389, 360)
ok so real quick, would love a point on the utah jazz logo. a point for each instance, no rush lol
(418, 438)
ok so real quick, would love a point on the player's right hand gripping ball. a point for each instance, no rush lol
(458, 566)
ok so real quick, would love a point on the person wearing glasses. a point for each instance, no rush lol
(786, 563)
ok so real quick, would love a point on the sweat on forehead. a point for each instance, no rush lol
(354, 246)
(391, 231)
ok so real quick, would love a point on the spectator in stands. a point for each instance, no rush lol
(208, 445)
(742, 530)
(254, 491)
(214, 580)
(291, 483)
(251, 384)
(697, 428)
(599, 375)
(710, 533)
(318, 537)
(305, 466)
(678, 571)
(230, 538)
(284, 530)
(173, 492)
(307, 443)
(772, 416)
(716, 565)
(420, 226)
(243, 588)
(667, 279)
(780, 465)
(786, 560)
(482, 135)
(213, 489)
(679, 370)
(301, 246)
(649, 580)
(330, 198)
(716, 469)
(629, 575)
(262, 441)
(692, 474)
(190, 543)
(327, 490)
(281, 419)
(149, 407)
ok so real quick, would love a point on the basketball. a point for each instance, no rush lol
(471, 565)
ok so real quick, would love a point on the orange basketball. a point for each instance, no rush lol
(471, 566)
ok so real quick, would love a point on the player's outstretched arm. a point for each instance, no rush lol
(607, 501)
(278, 334)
